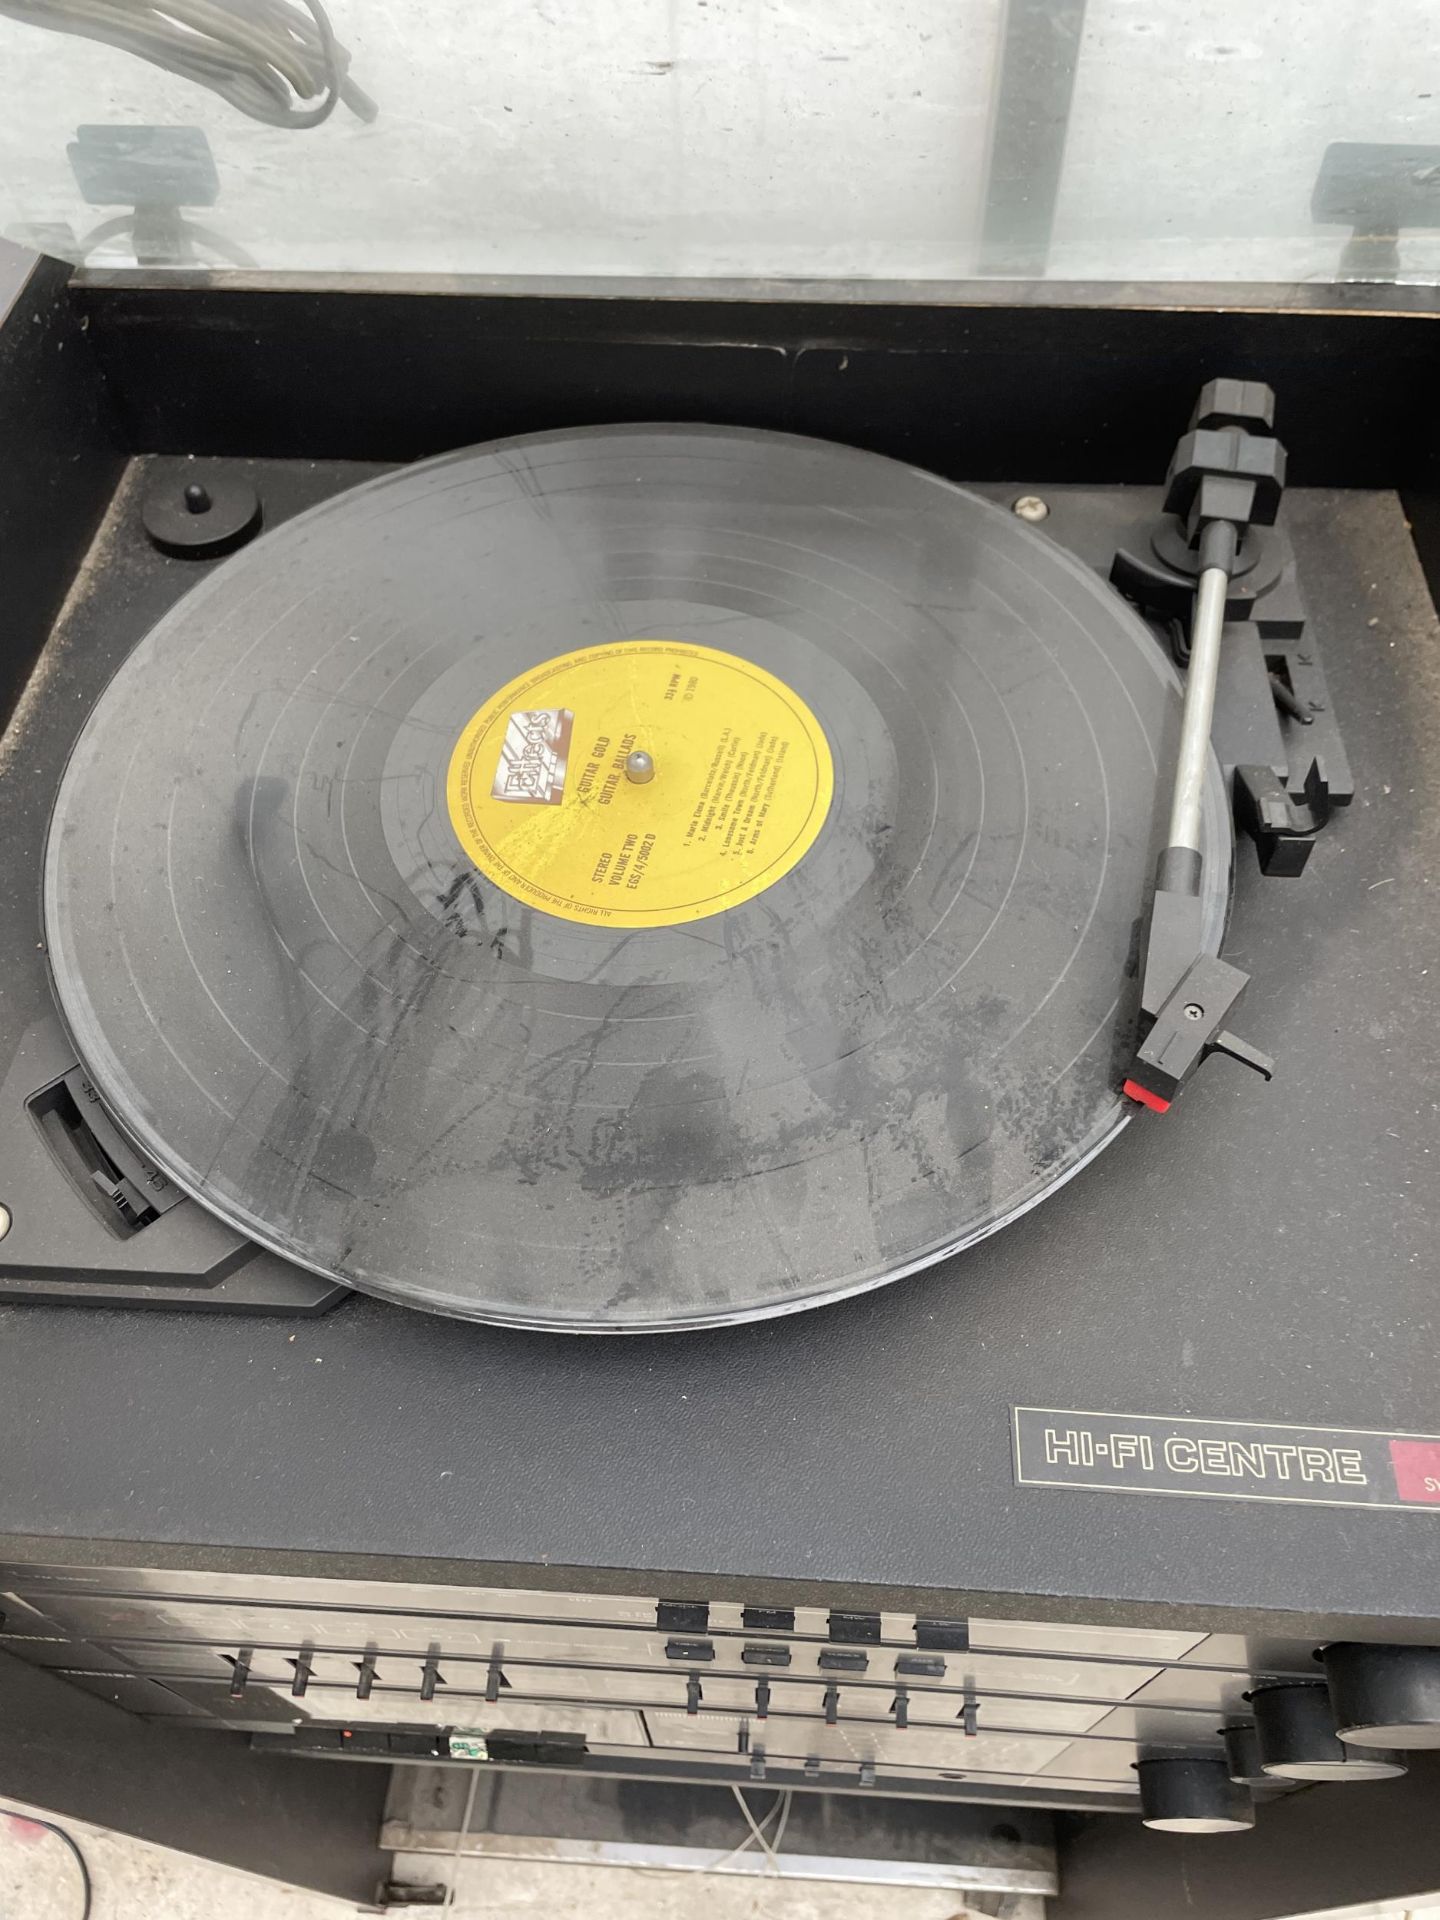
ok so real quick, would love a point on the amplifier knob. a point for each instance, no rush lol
(1384, 1696)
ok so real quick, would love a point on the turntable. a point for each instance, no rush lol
(579, 853)
(655, 877)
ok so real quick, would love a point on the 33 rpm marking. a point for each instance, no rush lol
(820, 1056)
(738, 783)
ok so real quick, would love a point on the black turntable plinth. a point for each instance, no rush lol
(1235, 1300)
(1256, 1243)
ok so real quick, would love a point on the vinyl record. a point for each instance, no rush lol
(623, 879)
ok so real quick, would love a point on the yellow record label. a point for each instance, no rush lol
(645, 784)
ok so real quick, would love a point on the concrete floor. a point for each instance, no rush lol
(135, 1881)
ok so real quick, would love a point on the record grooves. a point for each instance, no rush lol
(359, 922)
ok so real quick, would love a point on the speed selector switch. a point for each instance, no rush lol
(1384, 1696)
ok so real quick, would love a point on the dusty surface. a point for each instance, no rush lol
(134, 1881)
(507, 1890)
